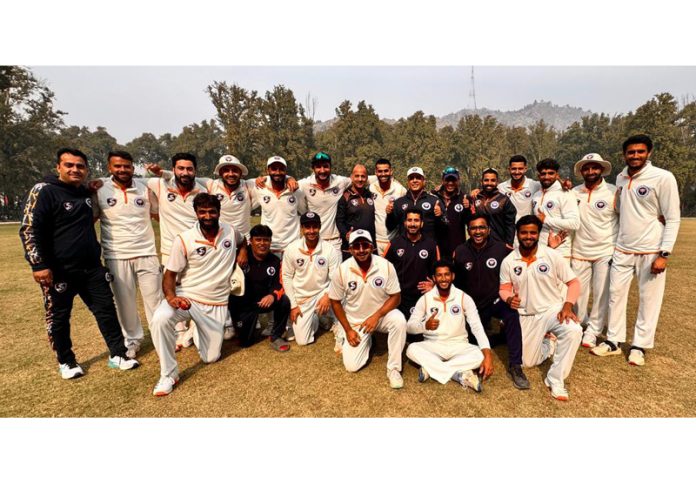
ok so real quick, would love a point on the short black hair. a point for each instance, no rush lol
(479, 215)
(260, 231)
(528, 220)
(548, 164)
(70, 151)
(517, 159)
(415, 210)
(121, 154)
(383, 161)
(184, 156)
(638, 139)
(443, 263)
(206, 200)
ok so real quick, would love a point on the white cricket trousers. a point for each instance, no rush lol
(651, 289)
(306, 326)
(143, 272)
(594, 277)
(443, 359)
(207, 335)
(534, 351)
(394, 324)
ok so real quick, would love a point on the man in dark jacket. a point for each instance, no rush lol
(356, 208)
(458, 209)
(61, 246)
(497, 206)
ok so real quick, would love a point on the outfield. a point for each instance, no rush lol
(311, 381)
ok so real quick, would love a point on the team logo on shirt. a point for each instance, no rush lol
(68, 206)
(271, 271)
(370, 202)
(240, 197)
(550, 204)
(266, 199)
(111, 201)
(495, 205)
(423, 254)
(88, 201)
(352, 285)
(391, 199)
(374, 196)
(335, 191)
(61, 287)
(220, 197)
(410, 311)
(312, 192)
(459, 208)
(455, 310)
(517, 270)
(468, 266)
(291, 199)
(171, 197)
(354, 202)
(108, 276)
(534, 203)
(140, 202)
(378, 282)
(400, 252)
(477, 203)
(426, 206)
(433, 310)
(491, 263)
(201, 251)
(299, 262)
(404, 206)
(543, 268)
(642, 191)
(321, 262)
(600, 204)
(227, 244)
(527, 194)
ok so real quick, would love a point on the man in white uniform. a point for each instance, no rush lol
(533, 279)
(519, 188)
(364, 295)
(202, 258)
(593, 244)
(384, 191)
(441, 316)
(308, 265)
(122, 205)
(649, 216)
(556, 208)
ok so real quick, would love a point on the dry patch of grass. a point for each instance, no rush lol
(311, 381)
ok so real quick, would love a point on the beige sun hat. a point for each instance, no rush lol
(592, 158)
(229, 160)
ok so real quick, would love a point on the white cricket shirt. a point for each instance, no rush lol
(561, 210)
(325, 201)
(599, 223)
(281, 212)
(382, 199)
(308, 273)
(521, 198)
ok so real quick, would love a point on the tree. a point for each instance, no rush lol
(205, 140)
(542, 142)
(480, 143)
(414, 141)
(95, 144)
(147, 148)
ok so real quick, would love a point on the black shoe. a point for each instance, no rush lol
(519, 379)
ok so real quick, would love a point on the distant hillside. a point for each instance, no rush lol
(560, 117)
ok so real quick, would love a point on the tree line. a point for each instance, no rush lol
(253, 127)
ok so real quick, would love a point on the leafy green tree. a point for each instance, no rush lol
(414, 141)
(205, 140)
(95, 144)
(147, 148)
(480, 143)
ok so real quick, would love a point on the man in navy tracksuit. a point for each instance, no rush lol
(61, 246)
(477, 273)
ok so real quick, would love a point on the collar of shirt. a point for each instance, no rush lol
(525, 184)
(128, 188)
(648, 165)
(540, 253)
(555, 186)
(434, 295)
(269, 186)
(378, 189)
(355, 268)
(583, 188)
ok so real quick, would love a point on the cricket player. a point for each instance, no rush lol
(61, 246)
(501, 212)
(533, 279)
(308, 265)
(593, 244)
(519, 188)
(365, 294)
(122, 206)
(202, 259)
(356, 208)
(555, 207)
(457, 210)
(649, 216)
(385, 190)
(441, 316)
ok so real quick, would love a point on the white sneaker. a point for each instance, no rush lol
(165, 386)
(229, 333)
(468, 379)
(636, 357)
(133, 349)
(123, 363)
(589, 340)
(558, 392)
(549, 345)
(606, 349)
(395, 380)
(68, 371)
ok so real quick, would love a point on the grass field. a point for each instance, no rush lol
(311, 381)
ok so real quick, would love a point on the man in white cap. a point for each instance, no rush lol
(593, 244)
(648, 204)
(280, 207)
(308, 264)
(365, 294)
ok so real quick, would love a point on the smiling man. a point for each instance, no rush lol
(385, 190)
(356, 208)
(498, 207)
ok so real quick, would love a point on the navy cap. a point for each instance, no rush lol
(308, 217)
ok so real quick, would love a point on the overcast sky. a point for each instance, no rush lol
(131, 100)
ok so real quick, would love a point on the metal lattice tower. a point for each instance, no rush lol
(472, 92)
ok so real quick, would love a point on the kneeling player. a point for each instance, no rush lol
(533, 280)
(203, 257)
(441, 315)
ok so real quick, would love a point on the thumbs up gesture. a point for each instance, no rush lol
(432, 323)
(514, 301)
(438, 209)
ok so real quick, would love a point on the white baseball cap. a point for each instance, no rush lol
(229, 160)
(415, 170)
(359, 234)
(276, 159)
(592, 158)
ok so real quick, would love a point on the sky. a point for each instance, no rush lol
(129, 101)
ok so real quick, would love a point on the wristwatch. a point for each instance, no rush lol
(664, 254)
